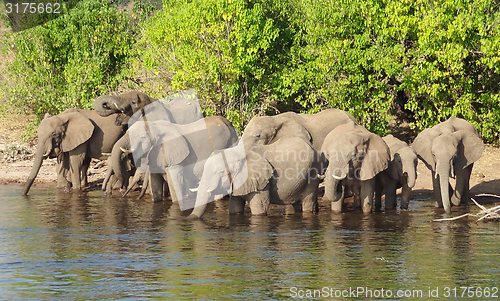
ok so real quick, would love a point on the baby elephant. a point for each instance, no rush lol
(355, 157)
(449, 149)
(284, 172)
(401, 173)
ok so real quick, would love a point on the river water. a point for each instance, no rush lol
(59, 246)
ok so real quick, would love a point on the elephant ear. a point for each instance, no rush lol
(78, 130)
(259, 173)
(376, 159)
(171, 148)
(422, 146)
(469, 150)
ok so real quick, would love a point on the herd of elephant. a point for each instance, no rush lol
(279, 159)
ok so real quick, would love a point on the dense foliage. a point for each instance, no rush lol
(70, 60)
(373, 58)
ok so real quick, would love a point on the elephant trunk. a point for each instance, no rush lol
(116, 156)
(443, 172)
(39, 156)
(332, 183)
(411, 175)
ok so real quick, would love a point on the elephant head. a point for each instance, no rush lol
(126, 103)
(446, 149)
(267, 129)
(237, 171)
(353, 153)
(404, 161)
(56, 135)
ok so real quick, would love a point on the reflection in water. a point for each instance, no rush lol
(70, 246)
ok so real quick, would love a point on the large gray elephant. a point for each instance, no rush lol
(355, 157)
(180, 110)
(74, 137)
(175, 152)
(312, 127)
(450, 149)
(401, 173)
(285, 172)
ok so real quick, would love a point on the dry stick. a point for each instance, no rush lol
(452, 218)
(485, 212)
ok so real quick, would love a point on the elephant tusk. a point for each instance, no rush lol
(193, 189)
(436, 175)
(338, 178)
(46, 155)
(117, 107)
(126, 151)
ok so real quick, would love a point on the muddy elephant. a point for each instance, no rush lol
(179, 110)
(176, 152)
(74, 137)
(285, 172)
(355, 157)
(312, 127)
(401, 173)
(449, 149)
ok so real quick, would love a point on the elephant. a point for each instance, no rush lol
(355, 157)
(180, 110)
(449, 149)
(177, 111)
(285, 172)
(74, 137)
(312, 127)
(175, 153)
(401, 173)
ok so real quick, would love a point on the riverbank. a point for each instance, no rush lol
(16, 162)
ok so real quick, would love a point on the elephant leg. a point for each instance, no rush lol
(62, 173)
(156, 182)
(85, 168)
(356, 196)
(379, 190)
(461, 194)
(259, 202)
(390, 195)
(76, 159)
(366, 194)
(236, 205)
(405, 196)
(310, 197)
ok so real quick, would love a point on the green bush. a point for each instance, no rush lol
(373, 58)
(67, 62)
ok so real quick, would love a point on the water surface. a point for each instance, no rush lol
(55, 245)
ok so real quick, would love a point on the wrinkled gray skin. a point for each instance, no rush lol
(74, 137)
(355, 157)
(401, 173)
(179, 111)
(449, 149)
(284, 172)
(311, 127)
(177, 152)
